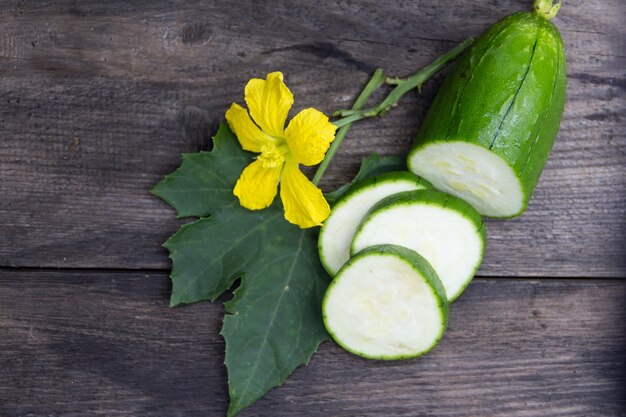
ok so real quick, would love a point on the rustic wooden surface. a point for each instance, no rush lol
(97, 101)
(88, 343)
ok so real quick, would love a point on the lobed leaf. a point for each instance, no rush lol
(274, 321)
(205, 180)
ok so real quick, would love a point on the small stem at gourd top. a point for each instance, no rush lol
(377, 79)
(545, 9)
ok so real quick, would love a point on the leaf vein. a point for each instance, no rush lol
(273, 317)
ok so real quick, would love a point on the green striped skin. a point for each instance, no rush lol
(506, 94)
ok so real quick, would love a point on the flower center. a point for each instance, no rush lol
(273, 154)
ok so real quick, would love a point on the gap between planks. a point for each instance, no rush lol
(4, 268)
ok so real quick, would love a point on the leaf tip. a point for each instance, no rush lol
(174, 301)
(234, 407)
(157, 189)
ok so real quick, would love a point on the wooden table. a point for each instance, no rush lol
(98, 100)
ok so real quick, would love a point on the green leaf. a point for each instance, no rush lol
(370, 167)
(274, 321)
(205, 180)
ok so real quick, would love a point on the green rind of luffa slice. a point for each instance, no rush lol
(448, 232)
(338, 230)
(386, 303)
(505, 95)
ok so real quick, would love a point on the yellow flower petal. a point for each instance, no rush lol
(269, 102)
(250, 136)
(304, 203)
(309, 135)
(256, 187)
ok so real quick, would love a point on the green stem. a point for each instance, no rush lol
(403, 86)
(378, 79)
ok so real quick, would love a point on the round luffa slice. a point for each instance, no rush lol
(386, 303)
(445, 230)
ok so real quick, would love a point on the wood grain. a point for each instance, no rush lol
(88, 343)
(98, 99)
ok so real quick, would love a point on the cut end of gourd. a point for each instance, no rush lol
(382, 306)
(472, 173)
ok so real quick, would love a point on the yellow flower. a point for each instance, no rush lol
(305, 141)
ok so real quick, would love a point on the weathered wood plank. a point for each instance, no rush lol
(77, 344)
(99, 98)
